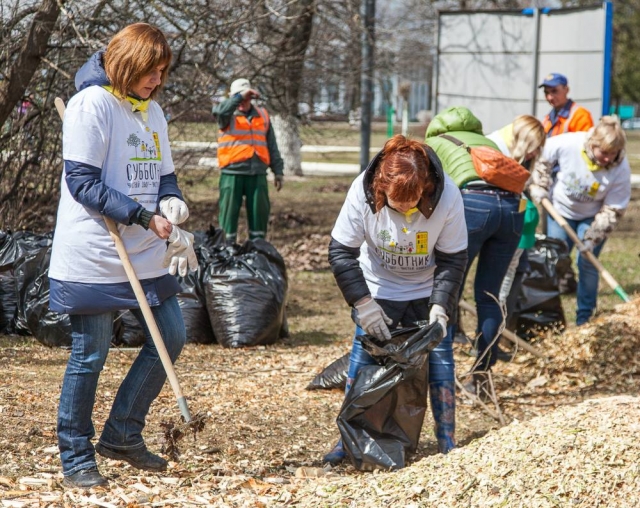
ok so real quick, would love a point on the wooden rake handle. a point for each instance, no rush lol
(617, 288)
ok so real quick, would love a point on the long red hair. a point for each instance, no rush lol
(403, 174)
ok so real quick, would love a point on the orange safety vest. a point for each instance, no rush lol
(242, 138)
(578, 119)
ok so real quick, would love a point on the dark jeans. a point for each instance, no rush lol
(494, 225)
(91, 337)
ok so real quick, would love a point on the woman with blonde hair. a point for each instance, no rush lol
(117, 163)
(522, 140)
(591, 191)
(398, 252)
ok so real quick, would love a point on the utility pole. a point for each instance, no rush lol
(368, 10)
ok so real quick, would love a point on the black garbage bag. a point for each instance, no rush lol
(8, 301)
(382, 415)
(539, 306)
(333, 375)
(245, 291)
(31, 269)
(192, 300)
(131, 333)
(196, 319)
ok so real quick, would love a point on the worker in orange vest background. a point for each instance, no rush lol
(246, 149)
(566, 115)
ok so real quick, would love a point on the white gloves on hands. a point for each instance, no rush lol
(373, 320)
(438, 314)
(175, 210)
(180, 254)
(588, 245)
(538, 193)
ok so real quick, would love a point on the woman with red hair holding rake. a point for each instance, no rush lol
(398, 252)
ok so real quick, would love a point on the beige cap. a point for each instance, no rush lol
(239, 86)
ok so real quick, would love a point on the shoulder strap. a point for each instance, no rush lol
(455, 141)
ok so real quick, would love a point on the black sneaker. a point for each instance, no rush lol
(140, 458)
(85, 479)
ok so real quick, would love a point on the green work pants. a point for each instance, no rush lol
(233, 188)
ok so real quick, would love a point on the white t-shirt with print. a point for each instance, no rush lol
(396, 254)
(580, 193)
(102, 131)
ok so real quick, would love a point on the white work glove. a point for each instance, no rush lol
(538, 193)
(439, 315)
(174, 210)
(373, 320)
(180, 254)
(587, 245)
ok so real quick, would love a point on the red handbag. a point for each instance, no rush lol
(494, 167)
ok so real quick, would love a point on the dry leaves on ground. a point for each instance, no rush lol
(571, 439)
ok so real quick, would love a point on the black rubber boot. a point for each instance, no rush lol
(442, 395)
(85, 479)
(140, 458)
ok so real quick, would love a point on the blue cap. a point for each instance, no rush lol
(554, 79)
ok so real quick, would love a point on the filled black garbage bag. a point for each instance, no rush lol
(48, 327)
(332, 376)
(131, 333)
(539, 306)
(382, 415)
(31, 269)
(8, 295)
(196, 319)
(8, 301)
(245, 291)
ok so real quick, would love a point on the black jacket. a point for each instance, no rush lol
(450, 268)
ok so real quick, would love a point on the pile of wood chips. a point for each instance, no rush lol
(578, 447)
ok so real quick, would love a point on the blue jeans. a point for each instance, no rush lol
(494, 227)
(588, 276)
(91, 337)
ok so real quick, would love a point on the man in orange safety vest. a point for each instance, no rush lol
(566, 115)
(246, 149)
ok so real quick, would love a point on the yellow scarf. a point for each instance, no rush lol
(141, 105)
(408, 214)
(592, 166)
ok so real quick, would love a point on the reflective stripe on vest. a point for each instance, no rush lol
(242, 138)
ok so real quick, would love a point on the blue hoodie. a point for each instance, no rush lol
(92, 72)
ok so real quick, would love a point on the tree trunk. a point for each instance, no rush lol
(33, 49)
(287, 134)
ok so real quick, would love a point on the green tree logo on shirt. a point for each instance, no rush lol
(385, 236)
(134, 141)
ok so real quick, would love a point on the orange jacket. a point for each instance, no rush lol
(571, 118)
(242, 138)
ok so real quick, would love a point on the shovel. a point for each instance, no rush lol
(617, 288)
(144, 305)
